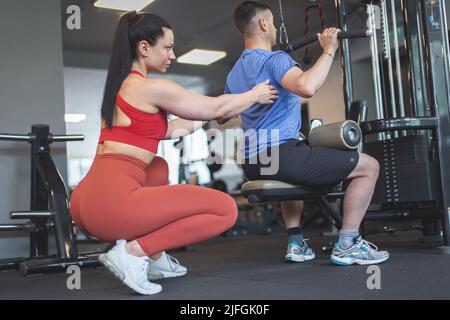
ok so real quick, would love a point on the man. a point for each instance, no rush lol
(275, 128)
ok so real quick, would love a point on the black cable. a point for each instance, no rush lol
(319, 9)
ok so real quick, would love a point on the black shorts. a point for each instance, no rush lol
(301, 164)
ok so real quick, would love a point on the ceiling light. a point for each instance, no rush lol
(202, 57)
(125, 5)
(74, 118)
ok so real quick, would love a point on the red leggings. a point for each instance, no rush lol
(122, 198)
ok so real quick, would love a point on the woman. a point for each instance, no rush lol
(125, 194)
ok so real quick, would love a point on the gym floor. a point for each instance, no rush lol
(251, 267)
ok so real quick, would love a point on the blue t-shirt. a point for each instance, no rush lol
(270, 124)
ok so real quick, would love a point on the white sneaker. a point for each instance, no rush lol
(297, 253)
(129, 269)
(165, 267)
(362, 252)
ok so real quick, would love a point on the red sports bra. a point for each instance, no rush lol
(145, 131)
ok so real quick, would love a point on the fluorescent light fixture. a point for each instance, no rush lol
(202, 57)
(74, 118)
(125, 5)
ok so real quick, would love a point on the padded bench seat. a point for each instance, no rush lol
(273, 190)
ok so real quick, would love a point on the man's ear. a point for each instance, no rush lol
(263, 24)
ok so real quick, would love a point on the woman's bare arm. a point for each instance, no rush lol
(175, 99)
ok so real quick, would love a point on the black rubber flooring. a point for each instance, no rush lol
(251, 268)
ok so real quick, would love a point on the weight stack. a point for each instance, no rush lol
(407, 172)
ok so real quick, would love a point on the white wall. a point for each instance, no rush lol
(83, 91)
(31, 91)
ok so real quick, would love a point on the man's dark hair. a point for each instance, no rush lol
(245, 12)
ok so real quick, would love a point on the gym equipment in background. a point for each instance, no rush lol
(49, 211)
(408, 132)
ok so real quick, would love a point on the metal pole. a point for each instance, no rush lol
(39, 196)
(387, 56)
(344, 52)
(437, 67)
(379, 114)
(414, 43)
(443, 160)
(401, 101)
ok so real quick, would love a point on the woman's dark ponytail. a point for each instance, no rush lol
(132, 28)
(119, 66)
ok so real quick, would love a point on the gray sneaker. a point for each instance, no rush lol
(296, 253)
(165, 267)
(362, 252)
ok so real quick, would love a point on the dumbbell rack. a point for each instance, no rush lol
(49, 210)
